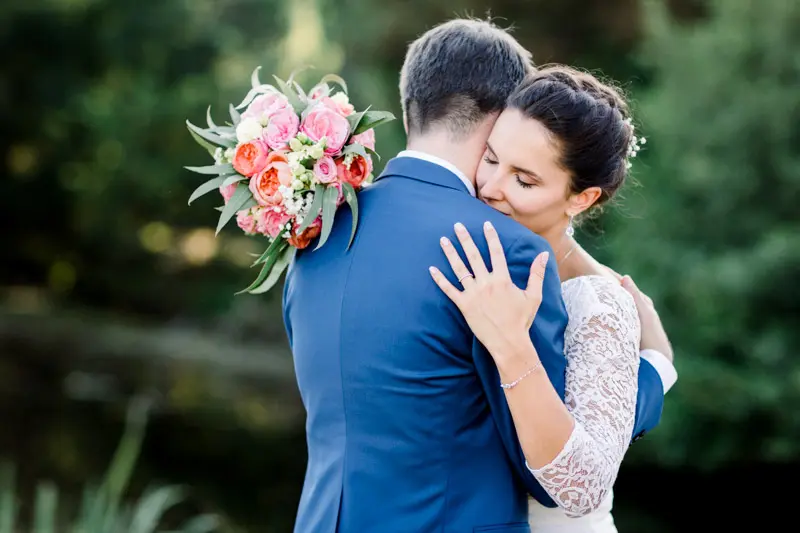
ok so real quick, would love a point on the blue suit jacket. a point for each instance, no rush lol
(407, 427)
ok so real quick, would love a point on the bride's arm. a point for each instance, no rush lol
(590, 440)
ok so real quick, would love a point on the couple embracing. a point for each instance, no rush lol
(465, 365)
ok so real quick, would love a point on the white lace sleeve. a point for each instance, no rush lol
(602, 349)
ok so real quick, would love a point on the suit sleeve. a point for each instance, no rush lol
(547, 335)
(649, 401)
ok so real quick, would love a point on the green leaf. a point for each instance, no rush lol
(313, 212)
(355, 148)
(352, 201)
(234, 205)
(208, 118)
(204, 523)
(280, 265)
(151, 508)
(370, 151)
(235, 116)
(270, 261)
(204, 143)
(255, 91)
(44, 517)
(8, 503)
(216, 139)
(294, 100)
(328, 213)
(235, 178)
(355, 120)
(254, 81)
(295, 72)
(373, 119)
(334, 79)
(219, 170)
(211, 185)
(276, 242)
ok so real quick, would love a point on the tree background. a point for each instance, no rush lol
(111, 285)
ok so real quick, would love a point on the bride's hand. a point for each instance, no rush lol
(498, 312)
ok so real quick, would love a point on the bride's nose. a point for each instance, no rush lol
(493, 188)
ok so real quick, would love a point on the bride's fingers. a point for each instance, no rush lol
(496, 253)
(473, 255)
(536, 278)
(463, 275)
(447, 287)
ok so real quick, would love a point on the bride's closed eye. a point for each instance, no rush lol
(522, 183)
(489, 161)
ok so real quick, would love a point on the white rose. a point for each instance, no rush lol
(248, 129)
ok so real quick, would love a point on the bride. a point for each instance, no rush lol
(562, 147)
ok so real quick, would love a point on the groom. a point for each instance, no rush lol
(408, 429)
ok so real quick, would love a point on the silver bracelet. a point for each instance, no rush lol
(514, 383)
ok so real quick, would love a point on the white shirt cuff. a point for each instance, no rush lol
(664, 367)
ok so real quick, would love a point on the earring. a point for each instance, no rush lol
(570, 229)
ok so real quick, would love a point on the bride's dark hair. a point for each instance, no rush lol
(589, 121)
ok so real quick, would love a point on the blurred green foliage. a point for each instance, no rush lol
(111, 283)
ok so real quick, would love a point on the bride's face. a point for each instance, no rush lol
(520, 175)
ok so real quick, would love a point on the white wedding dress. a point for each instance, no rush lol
(601, 343)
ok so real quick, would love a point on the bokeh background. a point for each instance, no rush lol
(113, 287)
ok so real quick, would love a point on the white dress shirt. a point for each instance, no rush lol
(664, 367)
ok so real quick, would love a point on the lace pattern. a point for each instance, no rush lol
(602, 349)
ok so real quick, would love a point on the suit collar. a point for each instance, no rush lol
(425, 170)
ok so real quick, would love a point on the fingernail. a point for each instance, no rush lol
(444, 241)
(432, 270)
(545, 257)
(460, 227)
(488, 226)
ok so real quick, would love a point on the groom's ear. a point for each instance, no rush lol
(405, 122)
(580, 202)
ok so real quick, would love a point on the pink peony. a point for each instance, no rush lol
(366, 139)
(265, 186)
(357, 172)
(227, 191)
(270, 222)
(322, 122)
(265, 105)
(319, 91)
(340, 104)
(250, 158)
(281, 128)
(246, 221)
(325, 170)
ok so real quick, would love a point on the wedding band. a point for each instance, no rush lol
(465, 276)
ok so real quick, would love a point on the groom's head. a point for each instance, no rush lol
(458, 75)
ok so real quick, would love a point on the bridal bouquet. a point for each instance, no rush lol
(286, 163)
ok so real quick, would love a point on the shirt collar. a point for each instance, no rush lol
(442, 163)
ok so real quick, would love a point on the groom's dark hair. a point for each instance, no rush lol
(457, 73)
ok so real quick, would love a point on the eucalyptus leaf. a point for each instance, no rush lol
(297, 104)
(225, 168)
(231, 179)
(370, 151)
(254, 81)
(211, 137)
(211, 185)
(328, 213)
(210, 148)
(209, 121)
(236, 117)
(295, 72)
(271, 259)
(204, 523)
(280, 265)
(274, 245)
(234, 205)
(151, 508)
(313, 212)
(335, 79)
(352, 201)
(44, 515)
(373, 119)
(255, 91)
